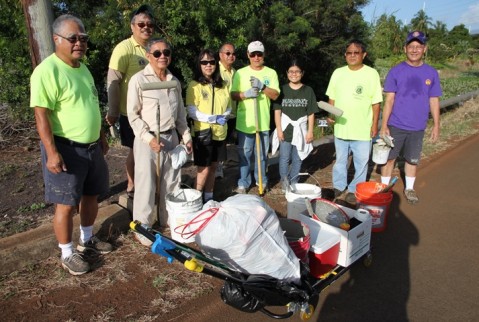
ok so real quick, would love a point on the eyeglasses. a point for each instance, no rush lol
(145, 24)
(206, 62)
(351, 53)
(227, 53)
(256, 54)
(75, 38)
(295, 72)
(157, 53)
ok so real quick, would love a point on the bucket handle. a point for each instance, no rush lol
(306, 174)
(182, 191)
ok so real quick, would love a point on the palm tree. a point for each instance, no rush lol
(421, 21)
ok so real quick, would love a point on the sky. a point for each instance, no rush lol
(450, 12)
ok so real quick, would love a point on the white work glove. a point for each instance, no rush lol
(178, 156)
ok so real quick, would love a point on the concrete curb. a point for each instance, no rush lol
(27, 248)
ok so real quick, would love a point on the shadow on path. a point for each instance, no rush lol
(380, 292)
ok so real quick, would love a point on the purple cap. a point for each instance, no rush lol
(416, 35)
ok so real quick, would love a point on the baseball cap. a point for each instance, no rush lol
(255, 46)
(144, 8)
(416, 35)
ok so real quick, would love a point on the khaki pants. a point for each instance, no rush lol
(145, 179)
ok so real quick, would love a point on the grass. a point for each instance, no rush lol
(172, 282)
(456, 124)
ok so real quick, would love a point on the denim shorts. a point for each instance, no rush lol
(87, 174)
(406, 143)
(127, 136)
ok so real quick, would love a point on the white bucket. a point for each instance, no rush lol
(181, 206)
(296, 198)
(380, 153)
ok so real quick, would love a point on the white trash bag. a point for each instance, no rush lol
(244, 233)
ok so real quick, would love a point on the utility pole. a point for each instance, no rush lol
(39, 19)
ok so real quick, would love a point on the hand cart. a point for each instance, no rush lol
(249, 293)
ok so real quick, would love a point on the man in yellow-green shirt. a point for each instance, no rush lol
(67, 112)
(127, 59)
(356, 90)
(250, 83)
(227, 55)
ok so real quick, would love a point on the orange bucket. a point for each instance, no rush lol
(376, 203)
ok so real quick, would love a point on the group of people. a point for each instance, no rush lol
(154, 122)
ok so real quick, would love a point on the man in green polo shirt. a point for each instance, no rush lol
(127, 59)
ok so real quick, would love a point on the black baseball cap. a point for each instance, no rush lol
(144, 8)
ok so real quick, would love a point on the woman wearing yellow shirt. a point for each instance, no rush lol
(208, 104)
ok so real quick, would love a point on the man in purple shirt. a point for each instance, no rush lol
(412, 90)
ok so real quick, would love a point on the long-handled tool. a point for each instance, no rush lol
(157, 86)
(389, 186)
(258, 148)
(158, 168)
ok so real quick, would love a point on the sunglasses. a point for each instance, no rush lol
(74, 39)
(353, 53)
(165, 52)
(229, 53)
(145, 24)
(256, 54)
(206, 62)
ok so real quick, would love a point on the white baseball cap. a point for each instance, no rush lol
(255, 46)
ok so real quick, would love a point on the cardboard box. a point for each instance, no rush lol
(354, 243)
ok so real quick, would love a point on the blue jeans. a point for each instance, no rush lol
(246, 148)
(361, 151)
(287, 153)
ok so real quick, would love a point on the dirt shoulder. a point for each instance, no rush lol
(131, 283)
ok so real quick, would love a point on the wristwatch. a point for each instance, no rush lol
(264, 86)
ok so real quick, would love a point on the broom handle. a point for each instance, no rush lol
(258, 147)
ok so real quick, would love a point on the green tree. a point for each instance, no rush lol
(15, 63)
(421, 21)
(313, 30)
(387, 39)
(438, 48)
(460, 40)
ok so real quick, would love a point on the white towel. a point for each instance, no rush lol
(300, 129)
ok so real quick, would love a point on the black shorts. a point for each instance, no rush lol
(127, 136)
(406, 143)
(204, 155)
(87, 174)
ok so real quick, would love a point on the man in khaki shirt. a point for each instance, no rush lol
(143, 108)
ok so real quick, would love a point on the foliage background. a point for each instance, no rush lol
(314, 31)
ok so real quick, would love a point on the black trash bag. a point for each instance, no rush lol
(273, 292)
(259, 291)
(235, 296)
